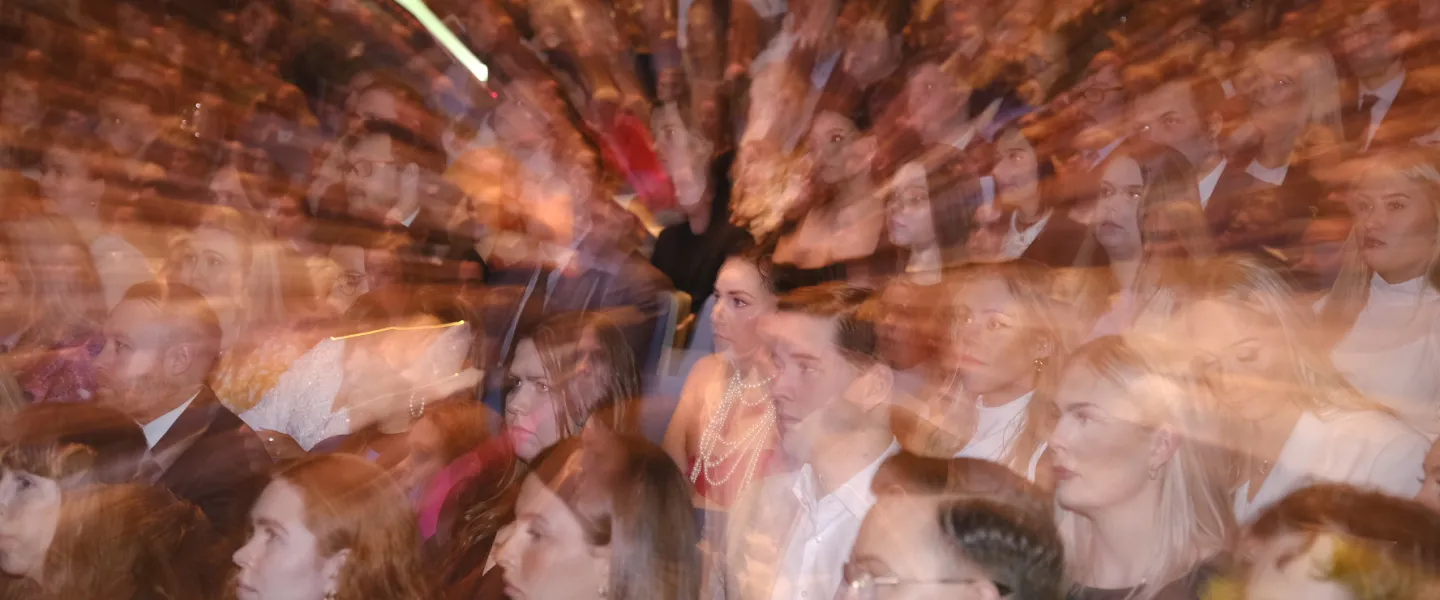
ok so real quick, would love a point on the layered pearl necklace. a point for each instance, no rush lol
(715, 450)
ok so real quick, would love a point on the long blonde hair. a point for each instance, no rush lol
(1195, 517)
(1316, 74)
(1352, 286)
(1245, 283)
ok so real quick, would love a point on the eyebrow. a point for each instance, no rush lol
(271, 523)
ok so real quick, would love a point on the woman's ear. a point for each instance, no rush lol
(1166, 442)
(331, 568)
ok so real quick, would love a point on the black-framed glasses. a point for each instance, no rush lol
(1096, 94)
(862, 585)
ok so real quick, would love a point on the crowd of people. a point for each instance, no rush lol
(684, 299)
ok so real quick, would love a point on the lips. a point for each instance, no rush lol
(1371, 243)
(1062, 473)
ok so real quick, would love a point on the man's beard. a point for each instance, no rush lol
(143, 398)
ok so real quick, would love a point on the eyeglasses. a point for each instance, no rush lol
(1097, 94)
(861, 585)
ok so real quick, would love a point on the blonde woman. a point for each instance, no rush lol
(1293, 418)
(1149, 222)
(1295, 110)
(1007, 340)
(1384, 311)
(1140, 488)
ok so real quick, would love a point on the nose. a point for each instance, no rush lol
(244, 557)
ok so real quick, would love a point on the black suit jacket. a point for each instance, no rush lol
(1062, 243)
(1410, 116)
(1249, 215)
(221, 466)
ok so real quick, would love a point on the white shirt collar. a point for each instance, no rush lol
(1017, 241)
(1104, 153)
(1275, 176)
(1209, 181)
(156, 430)
(855, 495)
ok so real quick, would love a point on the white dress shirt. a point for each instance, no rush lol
(1384, 99)
(1392, 352)
(156, 430)
(1368, 449)
(1209, 181)
(1017, 241)
(812, 566)
(785, 543)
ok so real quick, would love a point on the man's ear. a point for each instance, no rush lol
(178, 358)
(1214, 122)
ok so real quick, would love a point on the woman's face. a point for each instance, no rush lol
(912, 223)
(67, 183)
(1118, 208)
(1247, 352)
(1102, 451)
(530, 407)
(900, 539)
(741, 298)
(1016, 167)
(830, 139)
(1294, 565)
(281, 560)
(212, 263)
(1277, 99)
(547, 555)
(227, 188)
(20, 106)
(1396, 222)
(998, 347)
(935, 99)
(29, 514)
(352, 282)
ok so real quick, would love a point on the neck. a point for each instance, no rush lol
(1025, 200)
(1122, 547)
(925, 259)
(1393, 277)
(1126, 271)
(1273, 431)
(1276, 149)
(182, 394)
(1376, 80)
(1209, 162)
(699, 217)
(848, 454)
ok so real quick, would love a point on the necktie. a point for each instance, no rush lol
(1357, 127)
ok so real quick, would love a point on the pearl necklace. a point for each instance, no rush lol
(715, 450)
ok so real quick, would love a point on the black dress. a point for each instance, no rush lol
(1192, 586)
(692, 261)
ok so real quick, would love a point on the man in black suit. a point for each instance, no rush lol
(1183, 111)
(160, 343)
(1382, 99)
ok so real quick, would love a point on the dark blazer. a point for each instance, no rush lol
(221, 465)
(1249, 215)
(1410, 116)
(1060, 243)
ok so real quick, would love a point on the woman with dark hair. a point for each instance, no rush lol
(331, 527)
(1032, 226)
(603, 516)
(931, 201)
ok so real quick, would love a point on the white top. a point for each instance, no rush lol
(1384, 99)
(819, 543)
(997, 429)
(120, 265)
(1016, 241)
(1362, 448)
(156, 430)
(1392, 351)
(1275, 176)
(1209, 181)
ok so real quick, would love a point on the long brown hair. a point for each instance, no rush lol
(131, 541)
(556, 339)
(351, 504)
(631, 497)
(60, 306)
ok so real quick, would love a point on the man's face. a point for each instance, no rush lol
(132, 369)
(1102, 96)
(1169, 116)
(813, 381)
(372, 177)
(1366, 42)
(126, 126)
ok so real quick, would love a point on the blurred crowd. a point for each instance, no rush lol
(720, 299)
